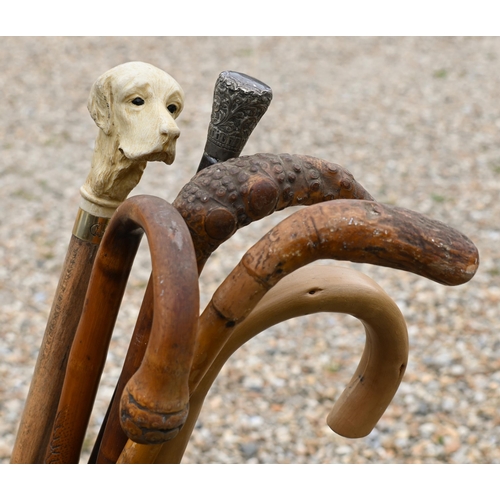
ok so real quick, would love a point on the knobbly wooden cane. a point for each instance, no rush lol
(158, 392)
(215, 203)
(353, 230)
(135, 106)
(310, 290)
(239, 102)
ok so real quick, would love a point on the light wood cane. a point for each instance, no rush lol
(310, 290)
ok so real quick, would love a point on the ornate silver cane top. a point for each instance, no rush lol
(240, 101)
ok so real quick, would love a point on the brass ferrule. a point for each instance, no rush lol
(89, 227)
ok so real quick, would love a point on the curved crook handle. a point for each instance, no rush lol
(310, 290)
(174, 326)
(227, 196)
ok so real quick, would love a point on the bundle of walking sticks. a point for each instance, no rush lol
(176, 353)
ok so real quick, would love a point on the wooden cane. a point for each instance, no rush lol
(230, 195)
(158, 392)
(132, 131)
(215, 203)
(353, 230)
(310, 290)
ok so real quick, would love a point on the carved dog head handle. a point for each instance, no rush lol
(239, 103)
(135, 106)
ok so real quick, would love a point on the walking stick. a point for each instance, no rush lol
(354, 230)
(310, 290)
(156, 398)
(215, 203)
(134, 105)
(239, 102)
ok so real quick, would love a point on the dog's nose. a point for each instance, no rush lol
(168, 127)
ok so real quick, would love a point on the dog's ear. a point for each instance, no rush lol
(99, 104)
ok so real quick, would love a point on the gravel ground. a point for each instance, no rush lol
(416, 120)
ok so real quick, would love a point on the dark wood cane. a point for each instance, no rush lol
(116, 169)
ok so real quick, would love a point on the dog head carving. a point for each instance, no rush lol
(138, 103)
(135, 106)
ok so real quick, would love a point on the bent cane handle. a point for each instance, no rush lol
(310, 290)
(229, 195)
(173, 262)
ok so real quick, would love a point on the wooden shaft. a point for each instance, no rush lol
(177, 309)
(134, 453)
(310, 290)
(112, 439)
(43, 397)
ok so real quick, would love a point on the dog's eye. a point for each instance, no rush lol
(138, 101)
(172, 108)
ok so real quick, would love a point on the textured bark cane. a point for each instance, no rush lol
(310, 290)
(350, 230)
(158, 391)
(227, 196)
(215, 204)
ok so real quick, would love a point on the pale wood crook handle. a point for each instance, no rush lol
(310, 290)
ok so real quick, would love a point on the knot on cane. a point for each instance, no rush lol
(146, 426)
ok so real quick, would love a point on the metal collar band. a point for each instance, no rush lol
(89, 227)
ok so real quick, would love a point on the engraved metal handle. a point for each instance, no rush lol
(239, 103)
